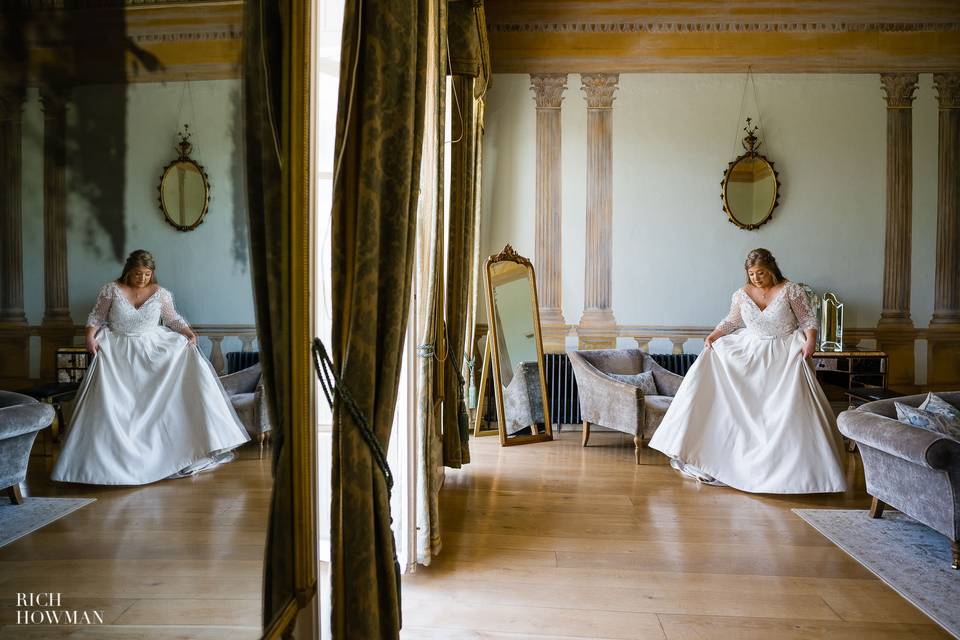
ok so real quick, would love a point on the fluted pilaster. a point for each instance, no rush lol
(943, 337)
(597, 325)
(899, 88)
(11, 225)
(947, 288)
(895, 332)
(548, 91)
(57, 308)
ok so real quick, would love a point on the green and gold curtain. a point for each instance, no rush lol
(380, 124)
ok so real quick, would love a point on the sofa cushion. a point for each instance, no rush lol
(936, 404)
(644, 381)
(653, 409)
(928, 420)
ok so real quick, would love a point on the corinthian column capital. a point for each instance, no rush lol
(599, 89)
(548, 89)
(899, 89)
(948, 90)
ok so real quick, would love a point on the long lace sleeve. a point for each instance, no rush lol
(801, 307)
(98, 317)
(734, 320)
(168, 313)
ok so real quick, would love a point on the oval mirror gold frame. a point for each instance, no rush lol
(184, 189)
(750, 186)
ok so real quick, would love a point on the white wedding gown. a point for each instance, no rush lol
(150, 406)
(750, 412)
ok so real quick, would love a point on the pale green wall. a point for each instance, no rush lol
(676, 258)
(119, 140)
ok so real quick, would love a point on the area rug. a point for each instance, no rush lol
(17, 520)
(913, 559)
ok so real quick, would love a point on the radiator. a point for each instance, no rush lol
(561, 389)
(240, 360)
(678, 363)
(562, 385)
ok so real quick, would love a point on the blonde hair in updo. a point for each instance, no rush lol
(765, 259)
(139, 258)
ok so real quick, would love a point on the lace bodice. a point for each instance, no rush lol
(114, 310)
(787, 312)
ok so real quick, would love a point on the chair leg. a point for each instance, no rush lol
(14, 493)
(876, 508)
(586, 432)
(637, 441)
(261, 438)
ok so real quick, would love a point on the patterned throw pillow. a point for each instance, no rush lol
(936, 404)
(643, 380)
(926, 420)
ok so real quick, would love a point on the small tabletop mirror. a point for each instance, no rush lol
(751, 188)
(184, 189)
(517, 349)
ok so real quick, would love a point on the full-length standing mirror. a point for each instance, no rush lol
(517, 349)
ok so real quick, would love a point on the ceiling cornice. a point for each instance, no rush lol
(722, 27)
(723, 36)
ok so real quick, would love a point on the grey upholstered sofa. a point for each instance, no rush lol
(21, 419)
(246, 395)
(618, 405)
(911, 469)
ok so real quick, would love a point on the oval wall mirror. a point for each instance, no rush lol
(751, 187)
(184, 189)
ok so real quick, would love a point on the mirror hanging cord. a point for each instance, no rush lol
(756, 102)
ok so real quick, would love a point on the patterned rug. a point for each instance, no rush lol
(913, 559)
(17, 520)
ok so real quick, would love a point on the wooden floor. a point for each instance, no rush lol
(555, 541)
(174, 559)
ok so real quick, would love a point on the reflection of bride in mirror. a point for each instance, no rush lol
(150, 406)
(520, 381)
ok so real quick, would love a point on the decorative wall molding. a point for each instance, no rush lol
(61, 5)
(724, 27)
(186, 36)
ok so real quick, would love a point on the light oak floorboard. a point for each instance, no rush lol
(177, 559)
(638, 552)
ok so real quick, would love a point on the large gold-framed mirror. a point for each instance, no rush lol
(516, 347)
(751, 186)
(184, 188)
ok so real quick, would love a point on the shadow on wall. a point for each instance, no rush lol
(241, 250)
(96, 146)
(96, 152)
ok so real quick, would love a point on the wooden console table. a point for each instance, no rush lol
(843, 372)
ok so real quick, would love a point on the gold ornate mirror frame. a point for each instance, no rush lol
(176, 171)
(751, 143)
(509, 255)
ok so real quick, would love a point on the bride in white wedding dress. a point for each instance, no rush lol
(750, 413)
(150, 406)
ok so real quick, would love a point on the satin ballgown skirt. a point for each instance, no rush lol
(149, 407)
(751, 414)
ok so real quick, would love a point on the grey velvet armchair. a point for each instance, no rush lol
(911, 469)
(618, 405)
(21, 419)
(246, 395)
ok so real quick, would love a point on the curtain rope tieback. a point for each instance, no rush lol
(332, 385)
